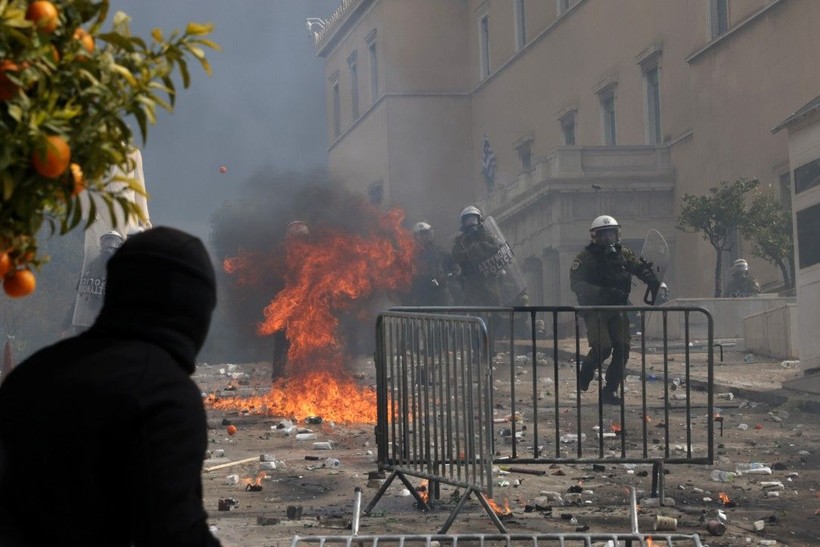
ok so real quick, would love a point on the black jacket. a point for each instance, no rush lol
(102, 436)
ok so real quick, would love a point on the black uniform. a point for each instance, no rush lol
(107, 427)
(429, 286)
(602, 276)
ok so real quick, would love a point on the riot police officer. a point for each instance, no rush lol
(601, 275)
(434, 266)
(479, 289)
(743, 284)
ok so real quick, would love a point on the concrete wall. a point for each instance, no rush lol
(727, 314)
(773, 332)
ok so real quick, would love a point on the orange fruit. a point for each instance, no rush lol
(231, 429)
(44, 15)
(86, 40)
(19, 283)
(52, 160)
(5, 263)
(8, 89)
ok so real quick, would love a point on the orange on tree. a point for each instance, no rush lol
(8, 89)
(44, 15)
(85, 39)
(5, 263)
(52, 159)
(19, 283)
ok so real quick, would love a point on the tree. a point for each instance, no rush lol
(718, 215)
(65, 103)
(768, 227)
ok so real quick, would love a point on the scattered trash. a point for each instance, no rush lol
(753, 469)
(665, 524)
(294, 512)
(321, 445)
(723, 476)
(748, 358)
(743, 427)
(232, 479)
(313, 420)
(790, 364)
(267, 521)
(227, 504)
(332, 463)
(715, 527)
(572, 438)
(759, 525)
(305, 436)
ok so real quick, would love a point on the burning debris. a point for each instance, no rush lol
(332, 271)
(255, 485)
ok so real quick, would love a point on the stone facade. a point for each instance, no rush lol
(591, 107)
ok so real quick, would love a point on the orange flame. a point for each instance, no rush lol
(338, 399)
(324, 275)
(255, 482)
(615, 428)
(423, 490)
(649, 542)
(724, 497)
(501, 511)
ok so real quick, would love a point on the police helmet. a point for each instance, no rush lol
(467, 213)
(111, 240)
(298, 228)
(740, 265)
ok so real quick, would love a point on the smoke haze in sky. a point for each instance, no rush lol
(262, 108)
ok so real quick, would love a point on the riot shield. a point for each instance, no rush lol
(493, 257)
(655, 251)
(91, 287)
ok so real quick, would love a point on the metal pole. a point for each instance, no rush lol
(633, 509)
(357, 509)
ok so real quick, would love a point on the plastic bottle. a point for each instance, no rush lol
(332, 463)
(753, 469)
(722, 476)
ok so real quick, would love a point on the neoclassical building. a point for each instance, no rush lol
(589, 106)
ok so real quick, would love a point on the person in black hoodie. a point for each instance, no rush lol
(103, 435)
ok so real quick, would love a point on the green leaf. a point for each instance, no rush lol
(8, 185)
(125, 73)
(199, 29)
(183, 70)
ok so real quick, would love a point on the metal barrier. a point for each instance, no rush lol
(433, 389)
(436, 402)
(503, 540)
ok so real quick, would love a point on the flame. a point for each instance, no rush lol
(325, 274)
(255, 482)
(649, 542)
(423, 490)
(501, 511)
(615, 428)
(724, 497)
(338, 399)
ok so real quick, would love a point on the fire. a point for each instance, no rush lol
(338, 399)
(255, 484)
(325, 274)
(615, 428)
(424, 490)
(649, 542)
(501, 511)
(724, 497)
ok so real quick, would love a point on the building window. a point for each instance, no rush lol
(524, 149)
(520, 25)
(484, 43)
(653, 105)
(354, 85)
(568, 127)
(374, 66)
(608, 113)
(337, 106)
(375, 193)
(807, 176)
(808, 233)
(719, 16)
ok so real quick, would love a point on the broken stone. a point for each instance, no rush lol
(232, 479)
(322, 445)
(572, 498)
(218, 453)
(227, 504)
(267, 458)
(294, 512)
(267, 521)
(759, 525)
(305, 436)
(743, 427)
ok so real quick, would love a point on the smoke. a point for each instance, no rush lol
(251, 230)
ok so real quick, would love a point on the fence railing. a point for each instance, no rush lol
(436, 400)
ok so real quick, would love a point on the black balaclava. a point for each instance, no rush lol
(161, 287)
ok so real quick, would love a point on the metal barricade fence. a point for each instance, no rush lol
(433, 388)
(661, 418)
